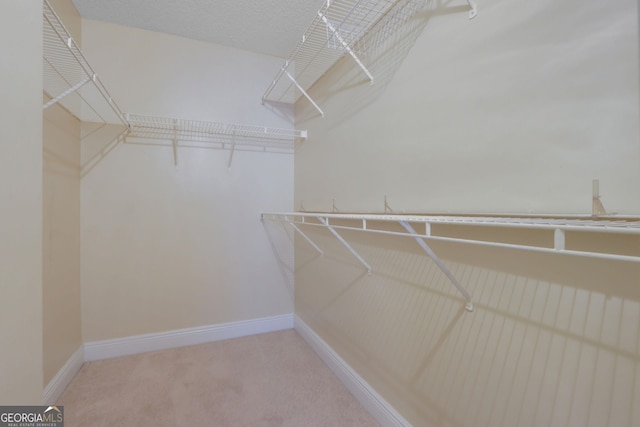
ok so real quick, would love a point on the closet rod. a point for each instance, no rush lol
(559, 226)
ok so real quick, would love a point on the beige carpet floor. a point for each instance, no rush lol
(268, 380)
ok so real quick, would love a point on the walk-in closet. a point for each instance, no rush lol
(321, 213)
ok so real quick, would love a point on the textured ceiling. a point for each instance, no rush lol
(271, 27)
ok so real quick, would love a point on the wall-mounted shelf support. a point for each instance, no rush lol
(307, 238)
(346, 46)
(325, 221)
(387, 208)
(67, 92)
(174, 144)
(559, 240)
(439, 263)
(233, 150)
(304, 92)
(597, 208)
(474, 9)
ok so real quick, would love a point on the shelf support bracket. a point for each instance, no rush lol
(304, 92)
(346, 46)
(345, 243)
(439, 263)
(597, 206)
(66, 92)
(307, 238)
(233, 149)
(559, 239)
(174, 143)
(474, 9)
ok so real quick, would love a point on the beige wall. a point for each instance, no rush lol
(515, 111)
(61, 239)
(552, 340)
(61, 224)
(166, 247)
(21, 203)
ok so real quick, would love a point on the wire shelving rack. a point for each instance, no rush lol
(340, 27)
(560, 232)
(212, 134)
(69, 80)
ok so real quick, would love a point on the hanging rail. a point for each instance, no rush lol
(559, 226)
(67, 71)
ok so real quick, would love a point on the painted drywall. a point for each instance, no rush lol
(62, 334)
(553, 340)
(517, 110)
(168, 247)
(21, 203)
(61, 239)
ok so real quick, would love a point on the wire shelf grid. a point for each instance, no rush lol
(69, 79)
(630, 226)
(559, 226)
(340, 26)
(173, 129)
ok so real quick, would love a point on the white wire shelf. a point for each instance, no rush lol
(608, 225)
(340, 27)
(218, 135)
(69, 80)
(167, 128)
(561, 235)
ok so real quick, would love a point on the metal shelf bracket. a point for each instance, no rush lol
(474, 9)
(325, 221)
(439, 263)
(69, 91)
(307, 238)
(304, 92)
(346, 46)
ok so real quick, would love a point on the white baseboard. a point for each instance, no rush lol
(59, 383)
(98, 350)
(363, 392)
